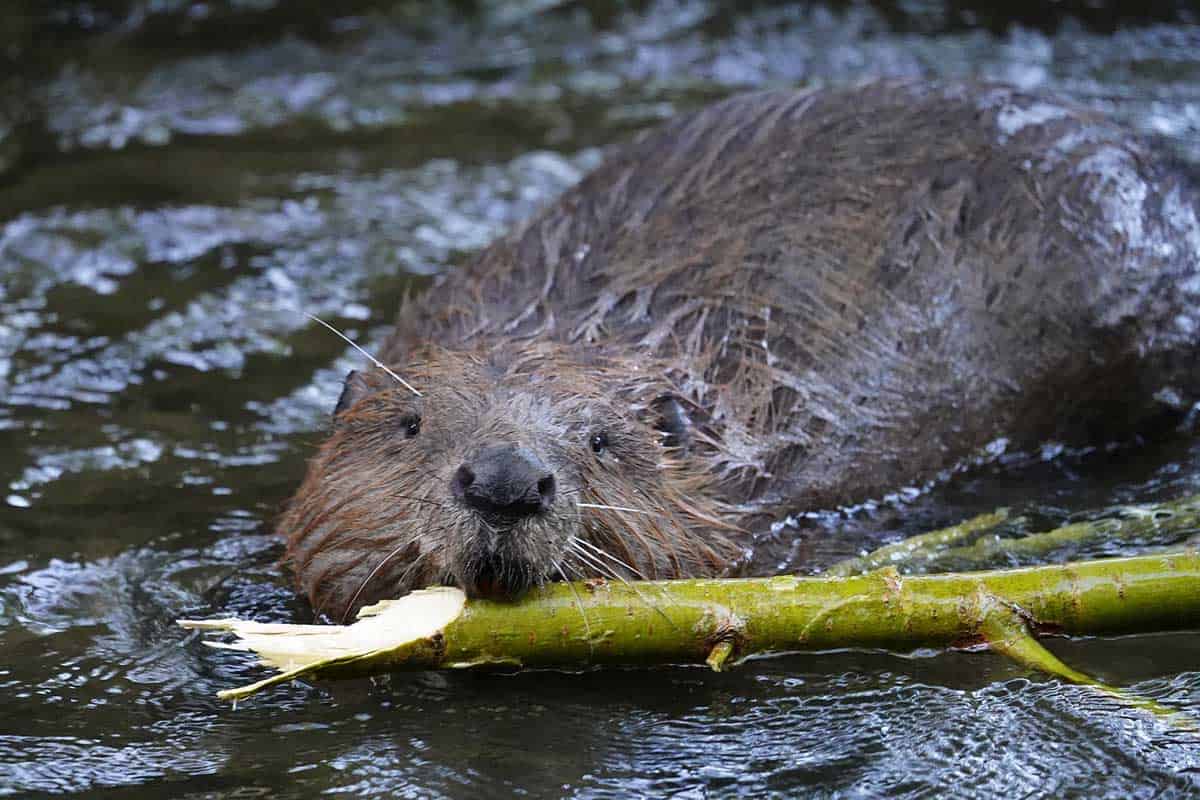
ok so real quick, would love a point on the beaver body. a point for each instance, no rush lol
(786, 301)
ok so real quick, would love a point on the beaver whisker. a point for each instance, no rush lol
(604, 569)
(327, 570)
(369, 357)
(575, 571)
(618, 508)
(426, 500)
(587, 628)
(647, 546)
(370, 575)
(608, 572)
(596, 564)
(317, 535)
(602, 552)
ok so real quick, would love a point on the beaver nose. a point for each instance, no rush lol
(504, 480)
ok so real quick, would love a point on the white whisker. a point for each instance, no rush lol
(618, 508)
(602, 552)
(609, 572)
(579, 575)
(374, 572)
(590, 560)
(587, 629)
(372, 358)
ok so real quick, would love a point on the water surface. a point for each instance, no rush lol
(180, 181)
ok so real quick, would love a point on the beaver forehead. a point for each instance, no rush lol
(554, 368)
(528, 408)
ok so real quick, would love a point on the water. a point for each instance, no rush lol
(179, 181)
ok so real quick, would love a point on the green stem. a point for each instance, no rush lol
(916, 548)
(944, 550)
(1006, 632)
(1130, 526)
(720, 622)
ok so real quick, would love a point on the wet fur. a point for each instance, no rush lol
(374, 517)
(847, 291)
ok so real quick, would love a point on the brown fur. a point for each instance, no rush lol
(848, 292)
(374, 517)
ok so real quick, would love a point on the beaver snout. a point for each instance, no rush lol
(504, 481)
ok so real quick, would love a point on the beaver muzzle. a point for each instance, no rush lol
(504, 484)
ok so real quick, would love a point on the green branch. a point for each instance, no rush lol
(918, 548)
(1127, 526)
(979, 542)
(720, 622)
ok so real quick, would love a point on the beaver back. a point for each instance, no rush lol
(858, 288)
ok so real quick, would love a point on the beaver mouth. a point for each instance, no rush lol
(497, 575)
(497, 560)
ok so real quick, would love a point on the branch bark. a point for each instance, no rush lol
(721, 622)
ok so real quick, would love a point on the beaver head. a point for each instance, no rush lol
(509, 469)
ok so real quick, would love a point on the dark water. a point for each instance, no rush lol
(178, 181)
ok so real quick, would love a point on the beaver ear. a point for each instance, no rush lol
(354, 388)
(672, 419)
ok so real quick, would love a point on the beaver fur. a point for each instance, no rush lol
(789, 300)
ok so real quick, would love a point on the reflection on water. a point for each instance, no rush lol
(177, 190)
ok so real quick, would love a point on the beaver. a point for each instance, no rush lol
(789, 300)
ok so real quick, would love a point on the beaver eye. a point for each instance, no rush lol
(599, 442)
(411, 425)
